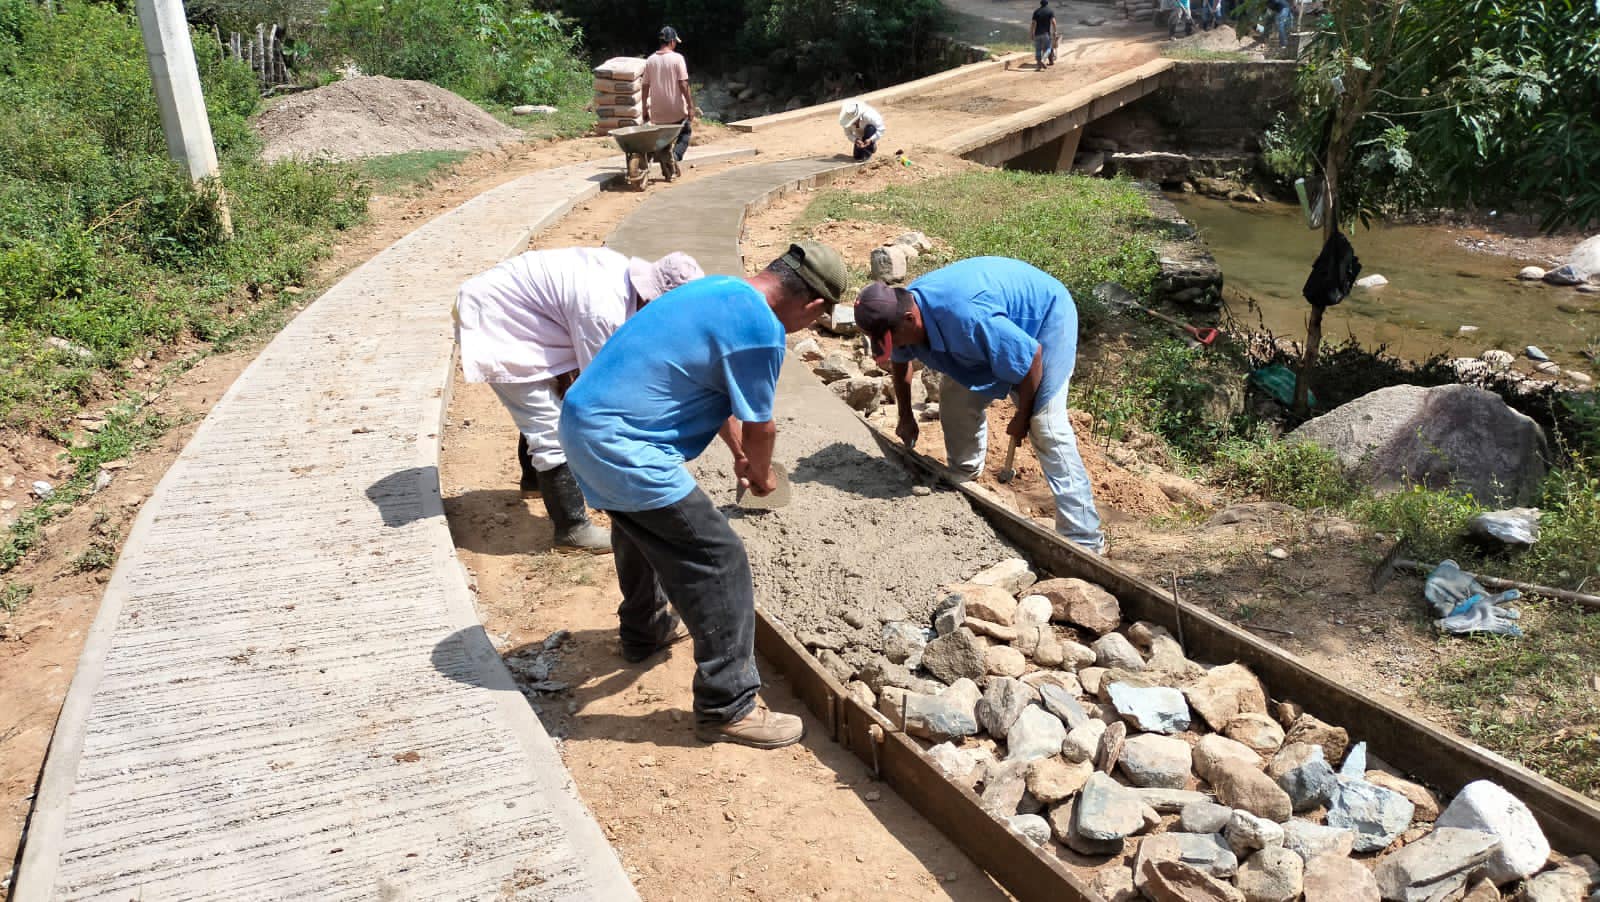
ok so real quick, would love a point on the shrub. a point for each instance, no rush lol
(1293, 472)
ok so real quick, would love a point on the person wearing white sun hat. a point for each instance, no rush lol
(864, 126)
(528, 327)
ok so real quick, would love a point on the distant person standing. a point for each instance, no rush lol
(667, 100)
(864, 126)
(1043, 31)
(1282, 14)
(1181, 13)
(1210, 14)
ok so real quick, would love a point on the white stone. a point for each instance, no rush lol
(1083, 741)
(1033, 609)
(953, 761)
(1032, 826)
(1149, 759)
(1154, 709)
(1530, 273)
(1011, 574)
(1114, 650)
(1035, 734)
(1247, 833)
(1483, 805)
(1372, 281)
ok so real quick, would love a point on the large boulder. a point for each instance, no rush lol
(1448, 436)
(1585, 258)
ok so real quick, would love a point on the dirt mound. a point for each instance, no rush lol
(371, 116)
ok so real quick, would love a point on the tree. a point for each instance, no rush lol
(1462, 102)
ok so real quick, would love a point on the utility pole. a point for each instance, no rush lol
(177, 85)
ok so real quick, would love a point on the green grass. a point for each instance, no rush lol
(393, 173)
(1081, 230)
(12, 595)
(1204, 55)
(570, 120)
(1532, 698)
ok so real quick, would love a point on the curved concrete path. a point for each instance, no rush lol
(286, 692)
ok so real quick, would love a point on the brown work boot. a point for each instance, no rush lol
(762, 728)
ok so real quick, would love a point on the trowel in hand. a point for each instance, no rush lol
(773, 500)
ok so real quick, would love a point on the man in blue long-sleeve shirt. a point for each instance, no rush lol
(994, 327)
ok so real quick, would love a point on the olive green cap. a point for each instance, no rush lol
(819, 266)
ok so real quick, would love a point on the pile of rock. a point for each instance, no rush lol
(1581, 271)
(858, 380)
(1185, 780)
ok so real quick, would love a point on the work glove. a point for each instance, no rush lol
(1484, 614)
(1461, 606)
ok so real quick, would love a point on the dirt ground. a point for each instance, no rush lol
(372, 115)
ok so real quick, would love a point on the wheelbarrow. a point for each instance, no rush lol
(643, 143)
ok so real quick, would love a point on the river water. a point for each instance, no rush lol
(1435, 286)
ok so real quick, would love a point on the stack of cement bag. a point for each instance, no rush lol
(1140, 10)
(618, 93)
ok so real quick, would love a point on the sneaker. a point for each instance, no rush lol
(639, 656)
(762, 728)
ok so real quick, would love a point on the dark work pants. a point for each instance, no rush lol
(681, 146)
(869, 135)
(687, 556)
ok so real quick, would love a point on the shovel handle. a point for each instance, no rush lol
(1011, 456)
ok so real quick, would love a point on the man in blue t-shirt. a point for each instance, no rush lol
(701, 360)
(994, 327)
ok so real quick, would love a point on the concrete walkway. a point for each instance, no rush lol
(287, 692)
(705, 218)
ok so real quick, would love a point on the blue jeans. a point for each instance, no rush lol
(686, 557)
(1285, 17)
(966, 438)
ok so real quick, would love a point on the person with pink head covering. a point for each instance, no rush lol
(528, 327)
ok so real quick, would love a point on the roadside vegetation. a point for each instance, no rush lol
(1534, 698)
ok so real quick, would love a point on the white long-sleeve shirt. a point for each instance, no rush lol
(542, 314)
(869, 116)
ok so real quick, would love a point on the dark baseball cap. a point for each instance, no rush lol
(877, 311)
(668, 33)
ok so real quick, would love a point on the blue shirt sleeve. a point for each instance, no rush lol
(1009, 349)
(751, 378)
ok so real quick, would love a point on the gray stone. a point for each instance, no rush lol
(1062, 819)
(903, 643)
(1247, 833)
(880, 672)
(1114, 650)
(1377, 815)
(1106, 810)
(1036, 733)
(1169, 801)
(888, 263)
(1563, 884)
(1167, 657)
(1012, 575)
(948, 618)
(859, 392)
(1337, 878)
(1204, 816)
(1061, 703)
(1156, 709)
(1082, 604)
(1005, 788)
(1565, 275)
(1053, 780)
(1483, 805)
(955, 656)
(1224, 693)
(1002, 702)
(954, 762)
(1302, 771)
(1310, 840)
(808, 349)
(1442, 860)
(1032, 826)
(1427, 804)
(1355, 762)
(1271, 875)
(1083, 741)
(1157, 761)
(949, 715)
(1448, 436)
(835, 367)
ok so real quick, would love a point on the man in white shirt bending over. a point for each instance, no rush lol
(667, 100)
(528, 327)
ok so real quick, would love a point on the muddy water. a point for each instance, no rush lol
(1435, 286)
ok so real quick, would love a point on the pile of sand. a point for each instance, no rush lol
(371, 116)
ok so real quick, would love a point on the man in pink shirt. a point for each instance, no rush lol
(666, 89)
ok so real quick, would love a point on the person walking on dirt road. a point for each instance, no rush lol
(667, 99)
(1043, 31)
(701, 361)
(994, 327)
(528, 327)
